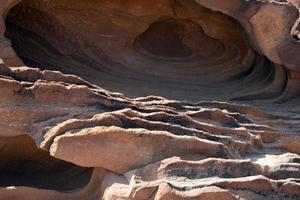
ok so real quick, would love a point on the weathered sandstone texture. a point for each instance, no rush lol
(160, 99)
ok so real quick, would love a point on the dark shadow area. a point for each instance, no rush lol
(23, 164)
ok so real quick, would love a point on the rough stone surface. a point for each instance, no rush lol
(161, 100)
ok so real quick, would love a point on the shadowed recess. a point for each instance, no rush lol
(23, 164)
(181, 51)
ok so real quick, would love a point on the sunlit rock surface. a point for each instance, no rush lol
(162, 100)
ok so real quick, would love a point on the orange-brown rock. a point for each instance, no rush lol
(161, 100)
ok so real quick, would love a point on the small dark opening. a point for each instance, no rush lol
(23, 164)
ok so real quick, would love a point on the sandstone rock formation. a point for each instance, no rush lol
(161, 99)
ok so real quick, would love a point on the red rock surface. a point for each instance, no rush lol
(162, 100)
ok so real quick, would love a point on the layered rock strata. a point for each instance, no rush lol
(86, 109)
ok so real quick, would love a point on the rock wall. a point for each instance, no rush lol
(86, 109)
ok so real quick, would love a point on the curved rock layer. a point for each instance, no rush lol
(176, 49)
(65, 137)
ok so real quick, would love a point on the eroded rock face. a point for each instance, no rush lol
(231, 132)
(175, 49)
